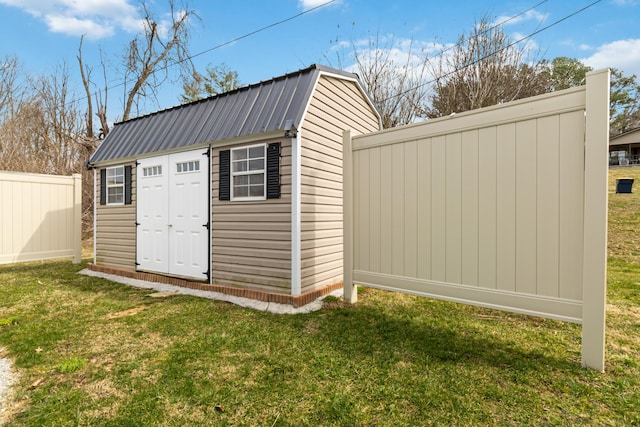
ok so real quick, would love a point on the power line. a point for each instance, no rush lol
(488, 30)
(499, 24)
(244, 36)
(495, 52)
(258, 31)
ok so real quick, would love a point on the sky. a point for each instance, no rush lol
(262, 39)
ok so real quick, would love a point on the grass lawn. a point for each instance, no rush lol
(91, 352)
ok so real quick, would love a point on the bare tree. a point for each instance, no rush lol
(149, 55)
(394, 80)
(9, 87)
(45, 128)
(100, 99)
(85, 74)
(42, 131)
(484, 68)
(146, 62)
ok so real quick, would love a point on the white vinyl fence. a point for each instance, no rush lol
(504, 207)
(40, 217)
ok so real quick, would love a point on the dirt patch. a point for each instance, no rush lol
(162, 294)
(125, 313)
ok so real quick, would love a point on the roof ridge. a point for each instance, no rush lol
(308, 69)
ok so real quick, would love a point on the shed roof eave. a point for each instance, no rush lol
(248, 139)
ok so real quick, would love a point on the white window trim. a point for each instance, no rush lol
(110, 186)
(234, 174)
(196, 165)
(148, 171)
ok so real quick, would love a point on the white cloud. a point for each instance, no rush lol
(75, 26)
(625, 2)
(401, 55)
(94, 18)
(621, 54)
(530, 15)
(310, 4)
(527, 45)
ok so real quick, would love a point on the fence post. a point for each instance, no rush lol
(594, 269)
(77, 218)
(349, 289)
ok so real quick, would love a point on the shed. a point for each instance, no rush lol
(239, 193)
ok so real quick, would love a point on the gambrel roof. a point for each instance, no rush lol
(268, 106)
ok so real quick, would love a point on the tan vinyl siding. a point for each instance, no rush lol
(337, 105)
(116, 230)
(251, 241)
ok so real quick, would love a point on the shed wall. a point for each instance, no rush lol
(336, 105)
(251, 240)
(116, 230)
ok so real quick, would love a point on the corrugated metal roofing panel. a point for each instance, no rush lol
(259, 108)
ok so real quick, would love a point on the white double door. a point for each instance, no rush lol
(172, 234)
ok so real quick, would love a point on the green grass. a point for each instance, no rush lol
(91, 352)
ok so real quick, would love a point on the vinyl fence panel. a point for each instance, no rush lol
(39, 217)
(503, 207)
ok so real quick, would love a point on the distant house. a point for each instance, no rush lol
(624, 149)
(239, 193)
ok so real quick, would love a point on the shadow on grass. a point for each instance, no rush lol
(451, 336)
(440, 333)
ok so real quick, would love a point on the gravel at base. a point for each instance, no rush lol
(7, 378)
(242, 302)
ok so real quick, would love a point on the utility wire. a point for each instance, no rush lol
(244, 36)
(304, 12)
(488, 30)
(495, 52)
(499, 24)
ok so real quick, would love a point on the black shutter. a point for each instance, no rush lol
(103, 186)
(273, 171)
(127, 185)
(224, 190)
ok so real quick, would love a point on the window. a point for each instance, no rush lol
(152, 171)
(115, 186)
(248, 173)
(186, 167)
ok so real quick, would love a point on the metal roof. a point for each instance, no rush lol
(259, 108)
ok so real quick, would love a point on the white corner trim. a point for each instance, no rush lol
(210, 208)
(296, 189)
(95, 212)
